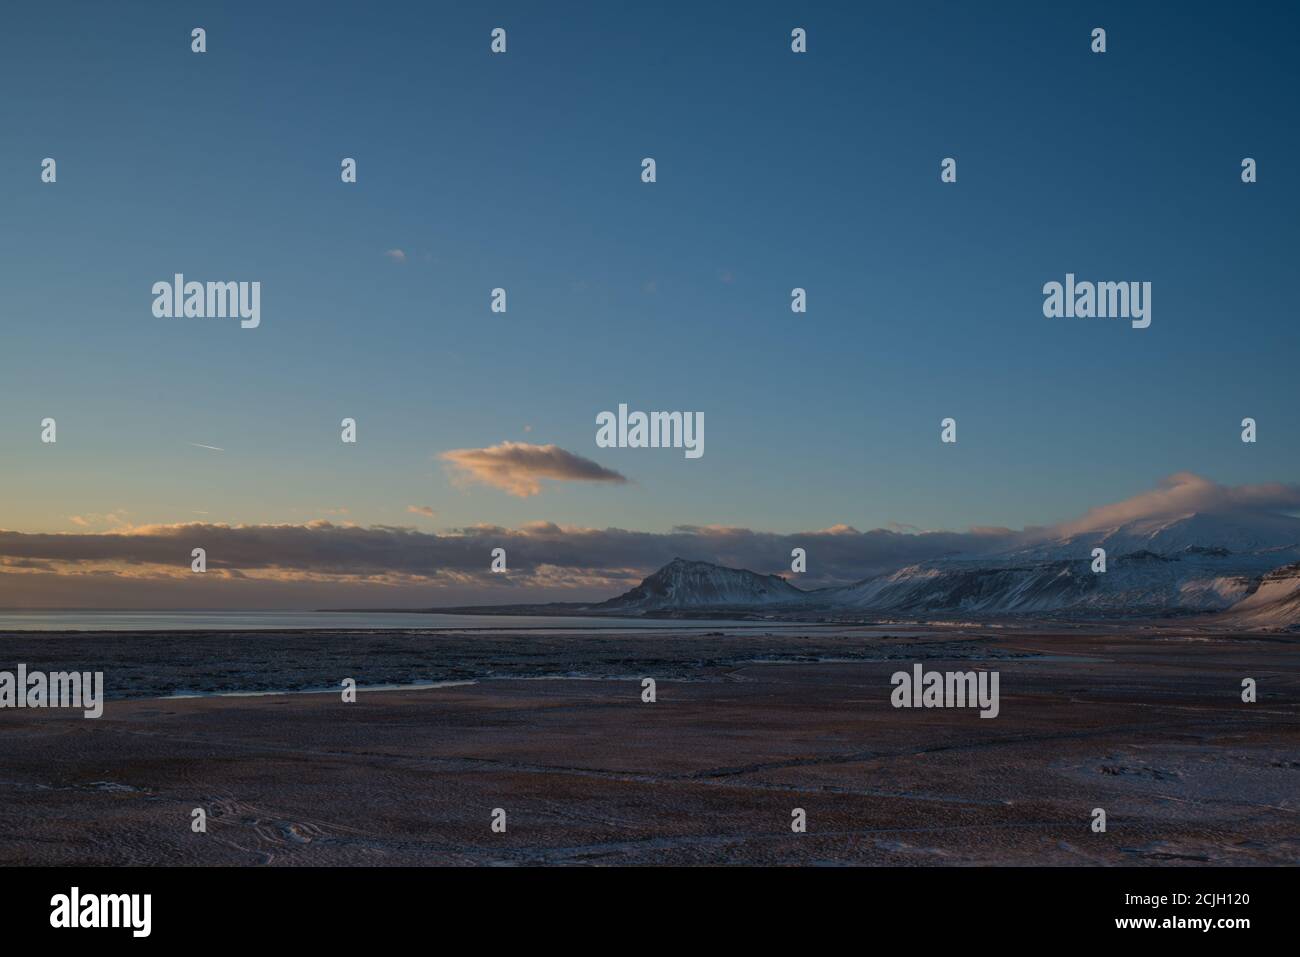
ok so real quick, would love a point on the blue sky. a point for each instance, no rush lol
(775, 170)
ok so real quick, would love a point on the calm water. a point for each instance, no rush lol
(265, 620)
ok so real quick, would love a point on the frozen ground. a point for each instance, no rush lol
(1148, 725)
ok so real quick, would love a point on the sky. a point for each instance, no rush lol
(523, 171)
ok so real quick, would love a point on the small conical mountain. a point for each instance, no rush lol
(683, 584)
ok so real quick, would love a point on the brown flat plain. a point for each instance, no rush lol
(1147, 724)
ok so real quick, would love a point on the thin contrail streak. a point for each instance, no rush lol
(199, 445)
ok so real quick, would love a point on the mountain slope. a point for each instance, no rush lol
(1138, 583)
(1274, 604)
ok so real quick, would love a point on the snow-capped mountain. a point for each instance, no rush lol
(1243, 565)
(1138, 583)
(1240, 532)
(684, 585)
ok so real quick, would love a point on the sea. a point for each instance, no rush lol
(90, 620)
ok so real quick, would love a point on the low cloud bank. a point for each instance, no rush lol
(326, 563)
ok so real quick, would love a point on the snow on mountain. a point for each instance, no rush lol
(685, 585)
(1274, 604)
(1193, 563)
(1239, 531)
(970, 587)
(1136, 583)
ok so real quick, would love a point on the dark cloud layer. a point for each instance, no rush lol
(325, 548)
(336, 563)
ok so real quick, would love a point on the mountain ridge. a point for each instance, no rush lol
(695, 584)
(1237, 568)
(1194, 563)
